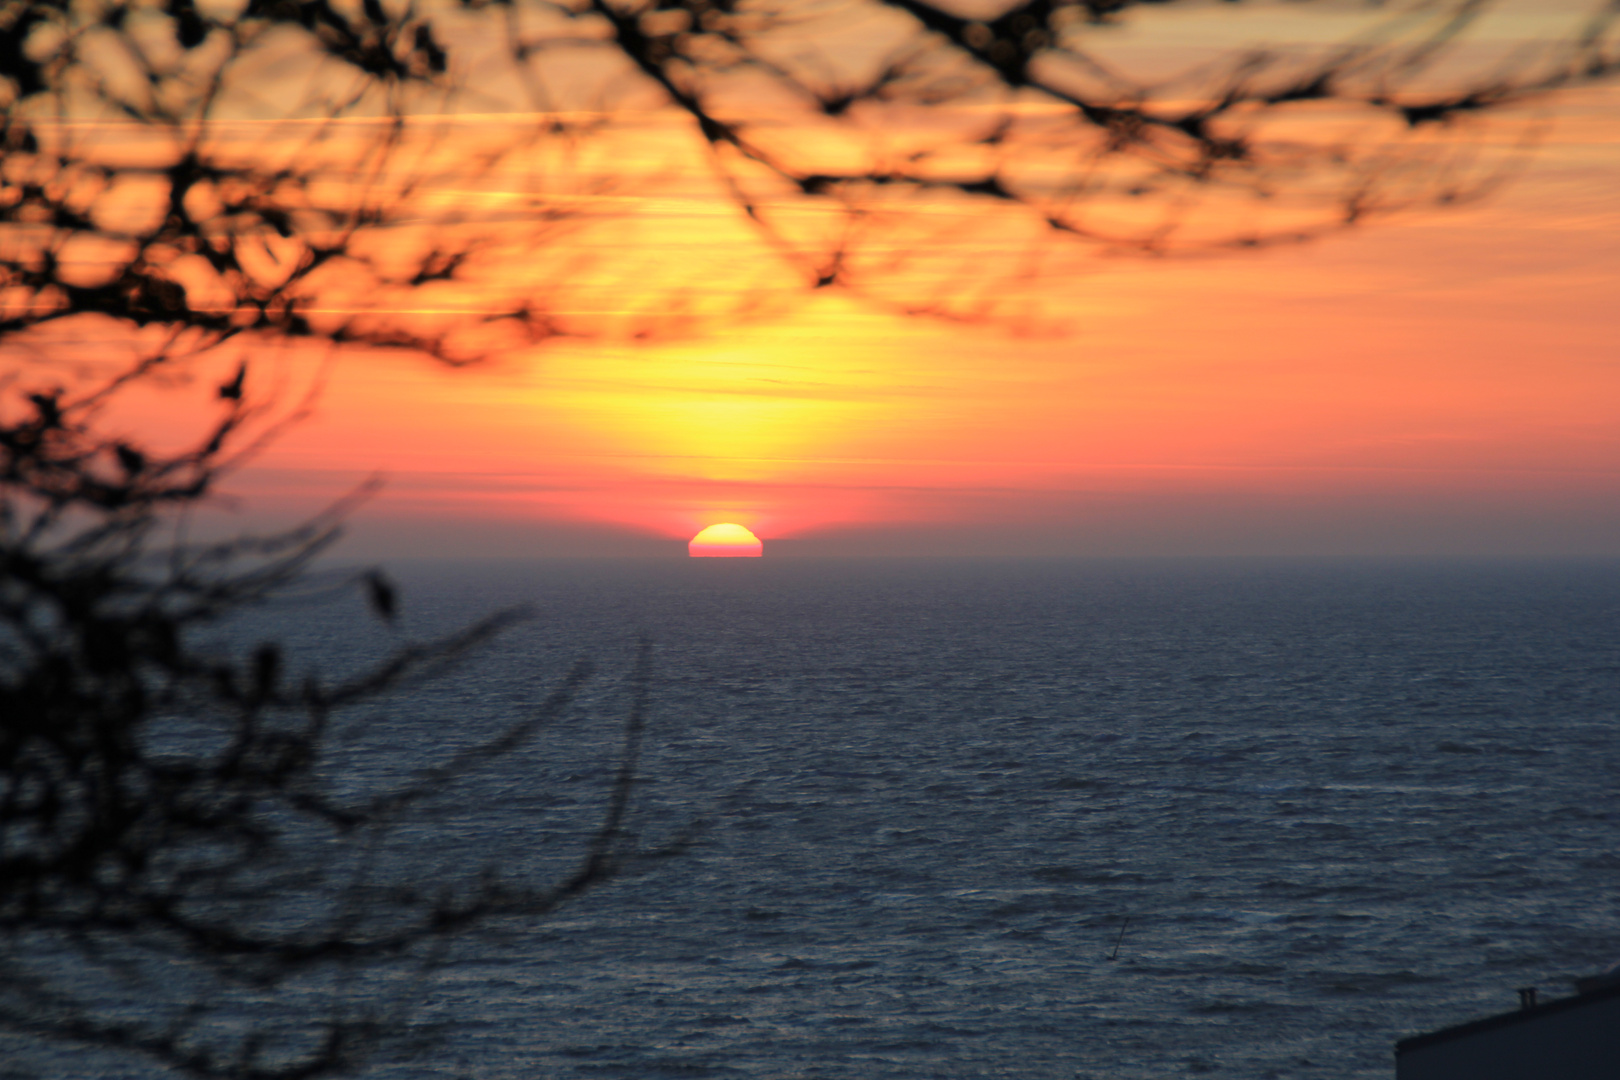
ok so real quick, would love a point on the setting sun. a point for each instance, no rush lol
(725, 542)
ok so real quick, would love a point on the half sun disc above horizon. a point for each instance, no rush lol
(725, 541)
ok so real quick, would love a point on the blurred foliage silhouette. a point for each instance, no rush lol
(185, 178)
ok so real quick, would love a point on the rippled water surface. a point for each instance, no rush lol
(1338, 804)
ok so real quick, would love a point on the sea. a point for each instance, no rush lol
(1034, 820)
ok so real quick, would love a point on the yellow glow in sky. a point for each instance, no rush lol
(1436, 382)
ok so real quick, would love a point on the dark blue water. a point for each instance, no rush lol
(1338, 804)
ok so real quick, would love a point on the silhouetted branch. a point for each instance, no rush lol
(178, 181)
(168, 811)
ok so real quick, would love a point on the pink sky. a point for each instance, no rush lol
(1443, 383)
(1437, 382)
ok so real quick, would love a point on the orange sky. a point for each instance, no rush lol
(1443, 383)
